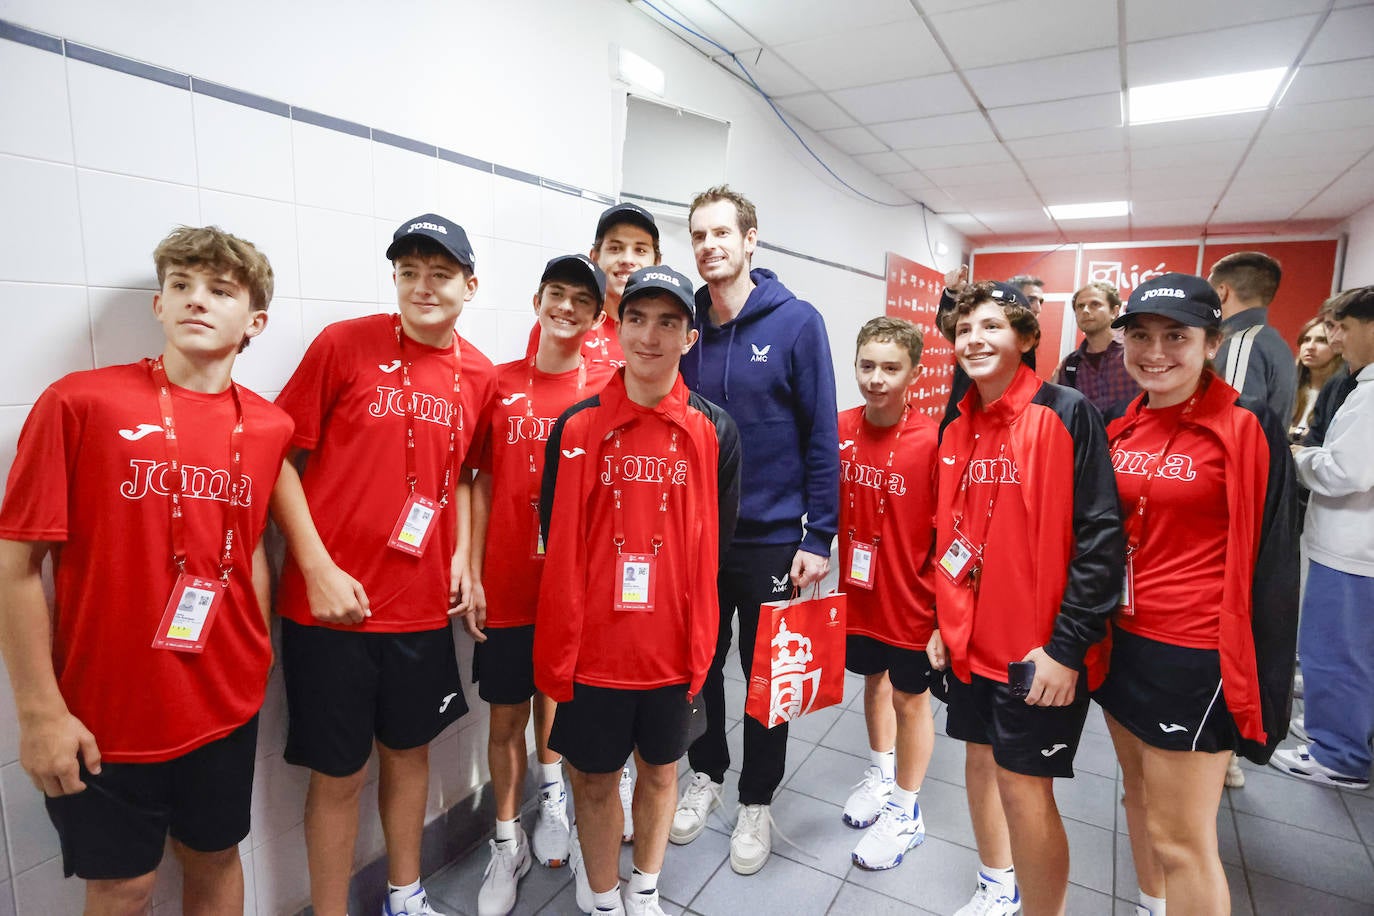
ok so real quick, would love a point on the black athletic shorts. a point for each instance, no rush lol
(599, 727)
(503, 666)
(117, 827)
(343, 689)
(1168, 696)
(908, 669)
(1032, 740)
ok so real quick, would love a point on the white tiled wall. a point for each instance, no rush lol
(96, 166)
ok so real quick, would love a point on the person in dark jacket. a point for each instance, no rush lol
(1029, 548)
(765, 357)
(1204, 633)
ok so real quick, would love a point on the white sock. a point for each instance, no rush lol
(1154, 904)
(551, 772)
(904, 799)
(607, 900)
(643, 882)
(505, 830)
(399, 895)
(886, 761)
(1003, 876)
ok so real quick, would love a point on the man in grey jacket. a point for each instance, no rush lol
(1253, 358)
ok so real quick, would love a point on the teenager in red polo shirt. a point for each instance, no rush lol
(641, 487)
(508, 561)
(1207, 621)
(1029, 551)
(377, 529)
(887, 512)
(138, 689)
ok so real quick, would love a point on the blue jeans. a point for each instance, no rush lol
(1336, 641)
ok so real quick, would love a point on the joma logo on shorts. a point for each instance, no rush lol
(146, 476)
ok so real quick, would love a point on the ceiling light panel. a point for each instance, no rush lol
(1099, 210)
(1210, 96)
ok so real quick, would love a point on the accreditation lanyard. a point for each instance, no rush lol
(1135, 523)
(637, 573)
(535, 477)
(863, 556)
(185, 624)
(455, 422)
(963, 560)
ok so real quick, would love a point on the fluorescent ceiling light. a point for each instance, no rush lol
(1202, 98)
(1089, 211)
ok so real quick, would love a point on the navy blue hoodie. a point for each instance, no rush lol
(771, 369)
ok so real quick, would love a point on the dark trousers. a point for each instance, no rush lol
(748, 577)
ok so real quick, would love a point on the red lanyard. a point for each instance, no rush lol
(178, 482)
(455, 418)
(535, 475)
(882, 482)
(618, 538)
(992, 499)
(1136, 522)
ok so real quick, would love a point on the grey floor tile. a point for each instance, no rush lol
(824, 840)
(1238, 881)
(1083, 901)
(1095, 723)
(1274, 897)
(1361, 808)
(947, 760)
(1090, 856)
(1089, 798)
(1305, 857)
(456, 886)
(1282, 798)
(945, 809)
(783, 888)
(937, 875)
(686, 869)
(813, 726)
(1096, 755)
(848, 734)
(827, 774)
(858, 901)
(1228, 844)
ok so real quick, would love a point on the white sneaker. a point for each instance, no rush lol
(991, 899)
(550, 840)
(1298, 762)
(892, 834)
(1298, 729)
(417, 904)
(582, 888)
(627, 796)
(510, 861)
(868, 798)
(700, 796)
(752, 840)
(1235, 776)
(643, 904)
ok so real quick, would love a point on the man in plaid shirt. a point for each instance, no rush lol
(1096, 368)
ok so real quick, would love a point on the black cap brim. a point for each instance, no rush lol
(1183, 317)
(626, 213)
(580, 270)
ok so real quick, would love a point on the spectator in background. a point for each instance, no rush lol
(1096, 367)
(1253, 358)
(1318, 361)
(1336, 640)
(1033, 288)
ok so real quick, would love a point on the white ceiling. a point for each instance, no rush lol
(988, 110)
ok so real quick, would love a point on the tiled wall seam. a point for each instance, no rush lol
(18, 33)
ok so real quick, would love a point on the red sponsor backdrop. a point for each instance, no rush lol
(913, 293)
(1308, 268)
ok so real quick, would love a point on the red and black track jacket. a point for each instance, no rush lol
(576, 554)
(1257, 636)
(1074, 534)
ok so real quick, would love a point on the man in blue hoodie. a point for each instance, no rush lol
(765, 357)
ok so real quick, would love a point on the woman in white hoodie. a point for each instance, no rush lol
(1335, 637)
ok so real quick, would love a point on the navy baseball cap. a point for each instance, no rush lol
(580, 269)
(447, 233)
(1005, 292)
(659, 277)
(1184, 298)
(633, 214)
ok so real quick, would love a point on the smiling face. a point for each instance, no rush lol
(655, 333)
(989, 349)
(205, 312)
(566, 311)
(722, 252)
(431, 291)
(885, 374)
(1166, 358)
(625, 248)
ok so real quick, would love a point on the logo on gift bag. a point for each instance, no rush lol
(794, 687)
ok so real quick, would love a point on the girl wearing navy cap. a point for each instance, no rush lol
(1203, 641)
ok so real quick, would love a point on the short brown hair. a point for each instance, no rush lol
(903, 333)
(1021, 319)
(1252, 274)
(1109, 292)
(746, 217)
(1357, 303)
(212, 248)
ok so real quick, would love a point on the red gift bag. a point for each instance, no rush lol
(798, 662)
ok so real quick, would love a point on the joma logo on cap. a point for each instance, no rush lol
(1163, 291)
(660, 276)
(433, 227)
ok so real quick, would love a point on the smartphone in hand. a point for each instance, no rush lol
(1020, 676)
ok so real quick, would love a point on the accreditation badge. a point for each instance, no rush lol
(862, 557)
(185, 624)
(636, 575)
(414, 527)
(959, 559)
